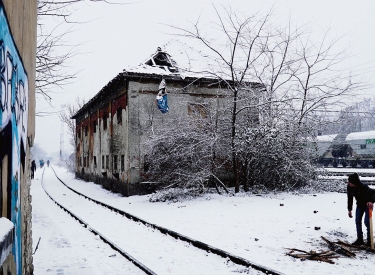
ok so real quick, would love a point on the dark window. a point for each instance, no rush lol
(103, 162)
(86, 130)
(115, 162)
(363, 146)
(119, 115)
(94, 123)
(105, 122)
(122, 162)
(107, 162)
(95, 161)
(146, 164)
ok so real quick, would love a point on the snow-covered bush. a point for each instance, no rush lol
(189, 154)
(278, 159)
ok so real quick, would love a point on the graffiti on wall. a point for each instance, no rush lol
(13, 130)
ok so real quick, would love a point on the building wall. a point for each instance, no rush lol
(17, 125)
(139, 118)
(145, 119)
(98, 150)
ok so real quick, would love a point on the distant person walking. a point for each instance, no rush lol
(365, 197)
(47, 163)
(33, 169)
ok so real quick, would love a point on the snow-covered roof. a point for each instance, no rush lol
(326, 138)
(162, 63)
(361, 135)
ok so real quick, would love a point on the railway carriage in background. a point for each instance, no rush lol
(354, 149)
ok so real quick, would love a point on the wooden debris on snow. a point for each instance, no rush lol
(359, 247)
(324, 256)
(339, 248)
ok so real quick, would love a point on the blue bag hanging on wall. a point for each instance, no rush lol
(163, 103)
(162, 97)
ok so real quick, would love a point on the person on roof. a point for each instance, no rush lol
(365, 197)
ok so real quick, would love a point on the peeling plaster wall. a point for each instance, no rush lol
(105, 143)
(139, 119)
(144, 118)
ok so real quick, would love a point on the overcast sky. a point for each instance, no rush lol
(118, 36)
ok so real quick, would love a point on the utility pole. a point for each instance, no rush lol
(62, 134)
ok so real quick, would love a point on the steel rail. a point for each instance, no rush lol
(102, 237)
(366, 177)
(201, 245)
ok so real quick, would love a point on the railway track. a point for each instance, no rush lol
(145, 242)
(367, 177)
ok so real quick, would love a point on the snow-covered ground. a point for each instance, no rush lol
(257, 228)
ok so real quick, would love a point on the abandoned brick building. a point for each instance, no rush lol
(112, 127)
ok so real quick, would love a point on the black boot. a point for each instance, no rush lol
(358, 242)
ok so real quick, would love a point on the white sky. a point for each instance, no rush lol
(125, 35)
(256, 228)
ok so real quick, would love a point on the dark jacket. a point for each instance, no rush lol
(362, 193)
(33, 166)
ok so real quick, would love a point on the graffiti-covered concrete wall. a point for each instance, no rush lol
(17, 120)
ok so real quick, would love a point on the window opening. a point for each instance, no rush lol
(94, 123)
(122, 162)
(105, 122)
(119, 115)
(115, 162)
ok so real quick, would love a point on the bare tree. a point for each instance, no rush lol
(50, 66)
(243, 45)
(65, 116)
(53, 51)
(292, 76)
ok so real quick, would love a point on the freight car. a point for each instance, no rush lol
(354, 149)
